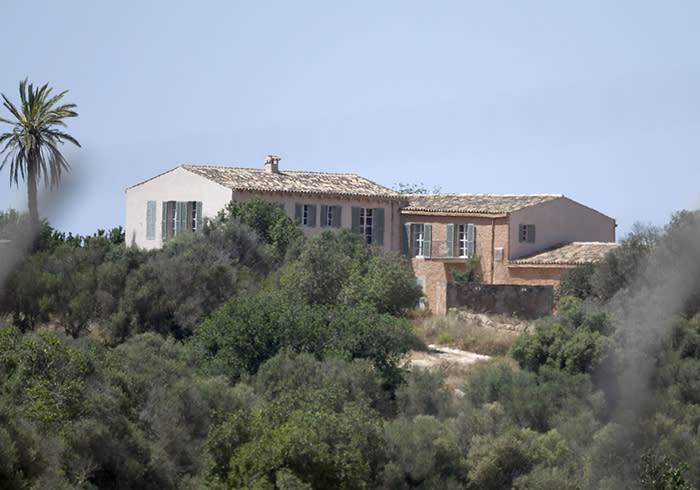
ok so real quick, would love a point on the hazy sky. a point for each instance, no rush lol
(597, 100)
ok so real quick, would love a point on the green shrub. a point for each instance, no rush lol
(243, 334)
(574, 342)
(469, 273)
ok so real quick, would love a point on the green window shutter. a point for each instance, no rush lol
(164, 222)
(199, 215)
(531, 235)
(450, 239)
(470, 239)
(521, 232)
(297, 213)
(427, 240)
(378, 238)
(151, 220)
(312, 215)
(181, 217)
(407, 239)
(355, 228)
(336, 216)
(324, 215)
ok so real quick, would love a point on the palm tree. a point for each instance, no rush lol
(31, 148)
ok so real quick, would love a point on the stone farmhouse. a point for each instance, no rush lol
(528, 239)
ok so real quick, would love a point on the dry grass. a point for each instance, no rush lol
(461, 333)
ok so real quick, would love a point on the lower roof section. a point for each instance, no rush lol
(571, 254)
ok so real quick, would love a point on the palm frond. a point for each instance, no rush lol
(31, 148)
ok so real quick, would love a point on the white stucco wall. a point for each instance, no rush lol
(176, 185)
(556, 222)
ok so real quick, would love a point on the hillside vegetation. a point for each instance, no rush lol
(250, 357)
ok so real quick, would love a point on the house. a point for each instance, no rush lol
(526, 239)
(179, 199)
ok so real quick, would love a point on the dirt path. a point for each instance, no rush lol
(440, 355)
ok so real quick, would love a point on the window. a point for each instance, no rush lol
(369, 222)
(418, 236)
(330, 216)
(366, 224)
(192, 207)
(181, 216)
(305, 214)
(465, 240)
(419, 240)
(526, 233)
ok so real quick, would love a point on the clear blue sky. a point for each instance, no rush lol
(597, 100)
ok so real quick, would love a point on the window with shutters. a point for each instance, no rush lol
(368, 222)
(526, 233)
(330, 216)
(179, 217)
(305, 214)
(465, 240)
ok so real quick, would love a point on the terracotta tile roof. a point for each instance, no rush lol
(474, 203)
(257, 180)
(574, 253)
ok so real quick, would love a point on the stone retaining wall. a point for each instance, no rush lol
(502, 299)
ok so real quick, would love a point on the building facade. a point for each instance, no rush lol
(520, 239)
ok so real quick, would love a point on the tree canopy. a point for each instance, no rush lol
(31, 147)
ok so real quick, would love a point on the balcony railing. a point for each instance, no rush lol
(441, 251)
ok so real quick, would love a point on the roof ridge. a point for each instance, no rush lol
(595, 242)
(482, 194)
(281, 171)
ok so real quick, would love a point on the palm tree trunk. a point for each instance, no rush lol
(32, 198)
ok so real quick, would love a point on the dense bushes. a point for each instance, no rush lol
(246, 332)
(238, 358)
(86, 282)
(339, 268)
(575, 344)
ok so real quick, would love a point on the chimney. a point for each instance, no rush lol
(272, 164)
